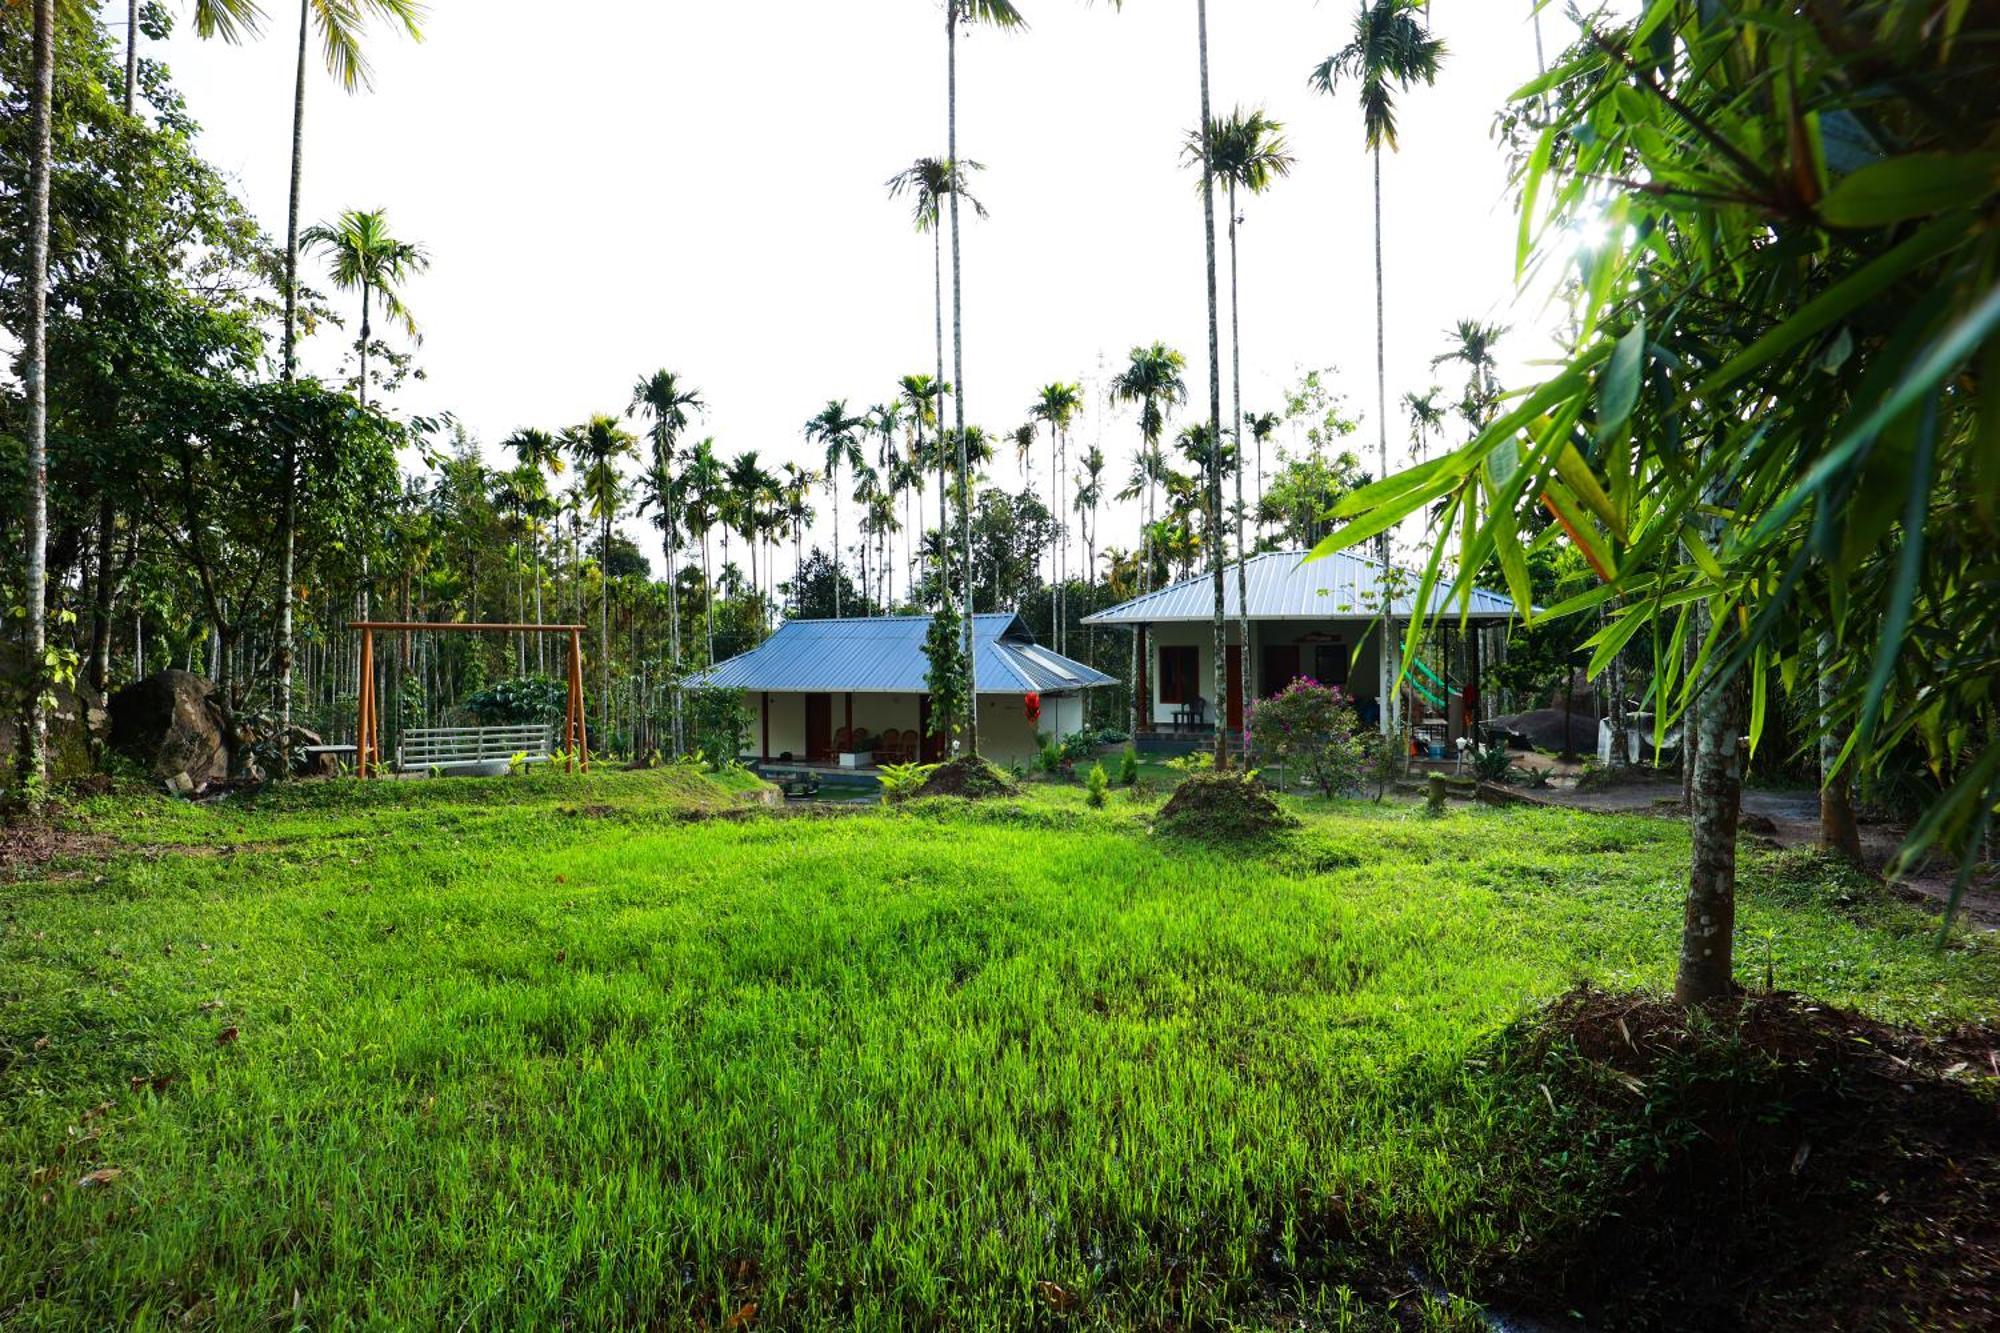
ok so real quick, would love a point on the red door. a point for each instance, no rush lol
(1235, 670)
(819, 728)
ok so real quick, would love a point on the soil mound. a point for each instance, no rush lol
(1222, 807)
(1546, 729)
(1767, 1163)
(970, 778)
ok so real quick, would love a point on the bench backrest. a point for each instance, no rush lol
(426, 746)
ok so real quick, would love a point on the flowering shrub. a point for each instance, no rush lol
(1309, 729)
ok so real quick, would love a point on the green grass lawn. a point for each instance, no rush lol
(546, 1051)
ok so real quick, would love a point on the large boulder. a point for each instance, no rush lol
(172, 725)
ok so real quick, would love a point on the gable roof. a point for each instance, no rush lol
(1284, 585)
(885, 655)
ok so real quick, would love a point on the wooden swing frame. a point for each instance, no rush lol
(368, 723)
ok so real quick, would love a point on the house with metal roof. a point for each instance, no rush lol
(1318, 618)
(823, 689)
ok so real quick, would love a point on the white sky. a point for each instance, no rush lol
(606, 188)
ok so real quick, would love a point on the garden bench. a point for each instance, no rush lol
(450, 748)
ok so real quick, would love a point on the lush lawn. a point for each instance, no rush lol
(530, 1052)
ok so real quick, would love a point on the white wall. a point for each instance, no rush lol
(1361, 676)
(1005, 735)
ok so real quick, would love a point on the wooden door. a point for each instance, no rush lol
(1234, 667)
(1280, 668)
(819, 728)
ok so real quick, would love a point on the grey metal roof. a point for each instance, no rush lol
(1284, 585)
(885, 655)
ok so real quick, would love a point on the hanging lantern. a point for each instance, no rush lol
(1031, 704)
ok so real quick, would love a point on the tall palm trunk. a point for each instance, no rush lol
(1236, 437)
(289, 462)
(33, 760)
(1385, 670)
(604, 633)
(708, 600)
(673, 614)
(937, 306)
(958, 378)
(1220, 674)
(365, 293)
(1838, 832)
(833, 486)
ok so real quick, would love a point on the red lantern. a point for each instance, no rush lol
(1031, 704)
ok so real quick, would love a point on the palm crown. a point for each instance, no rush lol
(1390, 48)
(928, 180)
(1245, 148)
(367, 257)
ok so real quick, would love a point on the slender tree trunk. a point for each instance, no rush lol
(604, 629)
(33, 764)
(833, 486)
(958, 377)
(673, 615)
(708, 595)
(1386, 670)
(1236, 435)
(1708, 931)
(364, 345)
(1838, 831)
(1220, 674)
(288, 503)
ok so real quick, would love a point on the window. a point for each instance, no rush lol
(1330, 663)
(1178, 668)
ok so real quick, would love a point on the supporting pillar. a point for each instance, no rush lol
(364, 717)
(1142, 683)
(766, 746)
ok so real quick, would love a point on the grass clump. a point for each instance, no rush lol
(970, 778)
(1223, 807)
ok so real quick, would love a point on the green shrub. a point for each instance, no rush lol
(1098, 782)
(718, 723)
(1128, 767)
(518, 702)
(902, 781)
(1492, 763)
(1050, 758)
(1201, 761)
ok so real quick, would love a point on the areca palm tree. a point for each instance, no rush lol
(1154, 379)
(1389, 50)
(927, 182)
(996, 14)
(750, 491)
(1087, 500)
(833, 430)
(795, 493)
(669, 403)
(1472, 346)
(1262, 427)
(701, 490)
(339, 24)
(598, 446)
(368, 258)
(924, 396)
(537, 451)
(1245, 150)
(1056, 406)
(1426, 418)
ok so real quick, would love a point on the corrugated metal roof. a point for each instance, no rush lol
(885, 655)
(1284, 585)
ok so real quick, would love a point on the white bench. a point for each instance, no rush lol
(479, 749)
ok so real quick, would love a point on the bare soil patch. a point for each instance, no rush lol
(1222, 807)
(970, 778)
(1766, 1163)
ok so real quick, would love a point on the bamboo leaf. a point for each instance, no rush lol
(1618, 387)
(1914, 185)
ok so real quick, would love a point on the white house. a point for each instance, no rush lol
(1319, 618)
(821, 689)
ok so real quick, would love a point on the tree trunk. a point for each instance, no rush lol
(958, 377)
(289, 463)
(604, 631)
(364, 345)
(1838, 831)
(833, 486)
(1220, 674)
(33, 759)
(1386, 672)
(1236, 438)
(1708, 931)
